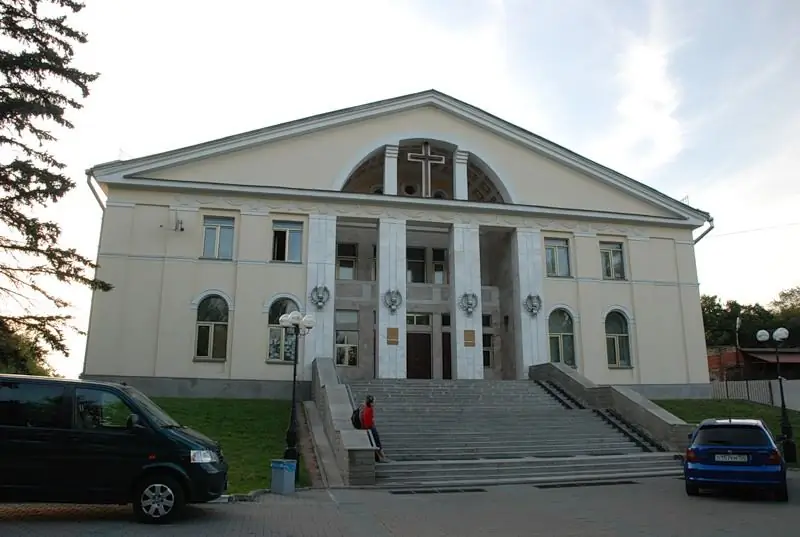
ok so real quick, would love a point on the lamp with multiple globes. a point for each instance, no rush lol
(299, 325)
(779, 336)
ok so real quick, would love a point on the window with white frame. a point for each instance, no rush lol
(346, 261)
(618, 341)
(488, 350)
(346, 346)
(561, 333)
(557, 257)
(282, 342)
(287, 241)
(440, 266)
(415, 265)
(612, 260)
(218, 237)
(211, 331)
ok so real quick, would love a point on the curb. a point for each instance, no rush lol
(251, 496)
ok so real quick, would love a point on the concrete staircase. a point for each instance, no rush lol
(444, 433)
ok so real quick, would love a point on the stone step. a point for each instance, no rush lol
(544, 462)
(597, 476)
(546, 443)
(507, 453)
(430, 417)
(387, 429)
(437, 472)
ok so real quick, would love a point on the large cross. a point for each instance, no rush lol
(426, 158)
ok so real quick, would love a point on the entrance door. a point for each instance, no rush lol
(447, 363)
(418, 355)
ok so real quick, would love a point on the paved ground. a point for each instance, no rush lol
(651, 508)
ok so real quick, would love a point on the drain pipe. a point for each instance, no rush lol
(707, 231)
(93, 188)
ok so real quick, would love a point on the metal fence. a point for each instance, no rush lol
(757, 391)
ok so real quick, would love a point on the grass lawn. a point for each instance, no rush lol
(696, 410)
(252, 433)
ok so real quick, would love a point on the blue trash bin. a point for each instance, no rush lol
(283, 474)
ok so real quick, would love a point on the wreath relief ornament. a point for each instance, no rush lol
(319, 296)
(468, 302)
(533, 303)
(392, 299)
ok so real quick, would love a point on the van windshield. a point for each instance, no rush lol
(153, 411)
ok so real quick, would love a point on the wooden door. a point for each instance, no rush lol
(418, 355)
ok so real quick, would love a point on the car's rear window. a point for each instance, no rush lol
(731, 435)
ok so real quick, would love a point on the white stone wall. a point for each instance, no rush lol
(321, 273)
(465, 268)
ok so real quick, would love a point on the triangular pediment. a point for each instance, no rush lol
(322, 152)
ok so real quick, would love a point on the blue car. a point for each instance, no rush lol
(733, 453)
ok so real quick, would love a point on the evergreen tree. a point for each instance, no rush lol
(38, 87)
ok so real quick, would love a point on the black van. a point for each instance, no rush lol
(74, 441)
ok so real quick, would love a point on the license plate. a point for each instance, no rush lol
(730, 458)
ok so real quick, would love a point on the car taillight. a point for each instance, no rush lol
(774, 457)
(691, 455)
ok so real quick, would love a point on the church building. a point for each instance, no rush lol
(428, 238)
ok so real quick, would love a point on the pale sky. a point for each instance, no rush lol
(696, 99)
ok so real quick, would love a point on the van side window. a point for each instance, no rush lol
(100, 410)
(32, 404)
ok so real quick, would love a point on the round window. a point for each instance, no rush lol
(410, 190)
(440, 195)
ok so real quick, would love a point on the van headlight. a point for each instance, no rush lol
(202, 456)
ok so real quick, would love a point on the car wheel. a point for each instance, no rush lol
(692, 489)
(158, 499)
(782, 494)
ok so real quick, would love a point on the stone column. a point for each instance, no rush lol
(460, 190)
(466, 335)
(390, 170)
(391, 333)
(321, 275)
(530, 328)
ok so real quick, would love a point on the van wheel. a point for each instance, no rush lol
(158, 499)
(782, 493)
(692, 489)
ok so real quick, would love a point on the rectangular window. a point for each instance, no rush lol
(445, 319)
(100, 410)
(415, 265)
(557, 257)
(440, 266)
(486, 320)
(618, 351)
(287, 241)
(218, 237)
(346, 261)
(612, 260)
(32, 405)
(346, 346)
(418, 319)
(488, 350)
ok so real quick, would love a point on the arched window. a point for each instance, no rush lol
(562, 337)
(282, 342)
(211, 341)
(618, 341)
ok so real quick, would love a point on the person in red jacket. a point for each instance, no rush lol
(368, 422)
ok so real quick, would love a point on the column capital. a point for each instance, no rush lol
(460, 156)
(392, 150)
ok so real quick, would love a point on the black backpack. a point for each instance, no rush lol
(355, 418)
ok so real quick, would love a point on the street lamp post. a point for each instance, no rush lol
(789, 448)
(301, 325)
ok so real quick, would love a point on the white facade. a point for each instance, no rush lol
(519, 252)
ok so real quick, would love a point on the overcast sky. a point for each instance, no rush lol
(697, 99)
